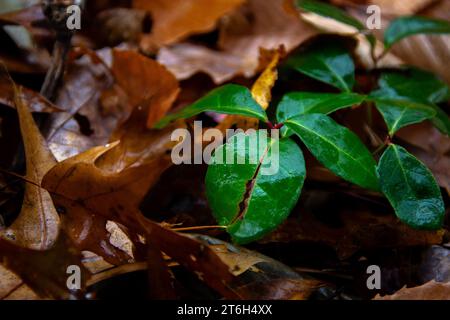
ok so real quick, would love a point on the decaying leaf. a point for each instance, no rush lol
(13, 288)
(359, 230)
(429, 291)
(33, 100)
(37, 226)
(262, 278)
(44, 271)
(257, 24)
(88, 119)
(147, 84)
(177, 19)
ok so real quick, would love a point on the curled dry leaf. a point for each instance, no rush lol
(429, 291)
(177, 19)
(37, 226)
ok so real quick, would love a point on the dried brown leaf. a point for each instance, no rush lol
(37, 226)
(429, 291)
(148, 84)
(177, 19)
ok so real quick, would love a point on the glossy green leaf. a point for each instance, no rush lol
(407, 26)
(399, 113)
(421, 87)
(411, 189)
(253, 198)
(328, 62)
(397, 110)
(228, 99)
(337, 148)
(329, 11)
(297, 103)
(415, 84)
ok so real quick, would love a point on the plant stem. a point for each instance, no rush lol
(198, 228)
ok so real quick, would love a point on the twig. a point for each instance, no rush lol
(56, 12)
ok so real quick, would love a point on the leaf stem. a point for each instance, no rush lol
(197, 228)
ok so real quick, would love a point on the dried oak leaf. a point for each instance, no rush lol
(45, 272)
(258, 24)
(37, 226)
(108, 195)
(90, 196)
(177, 19)
(429, 291)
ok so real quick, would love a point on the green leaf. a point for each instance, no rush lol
(228, 99)
(441, 120)
(398, 112)
(297, 103)
(328, 62)
(411, 189)
(329, 11)
(421, 87)
(407, 26)
(250, 201)
(416, 84)
(337, 148)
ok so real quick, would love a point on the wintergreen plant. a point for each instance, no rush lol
(250, 204)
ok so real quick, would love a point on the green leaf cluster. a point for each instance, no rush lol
(250, 204)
